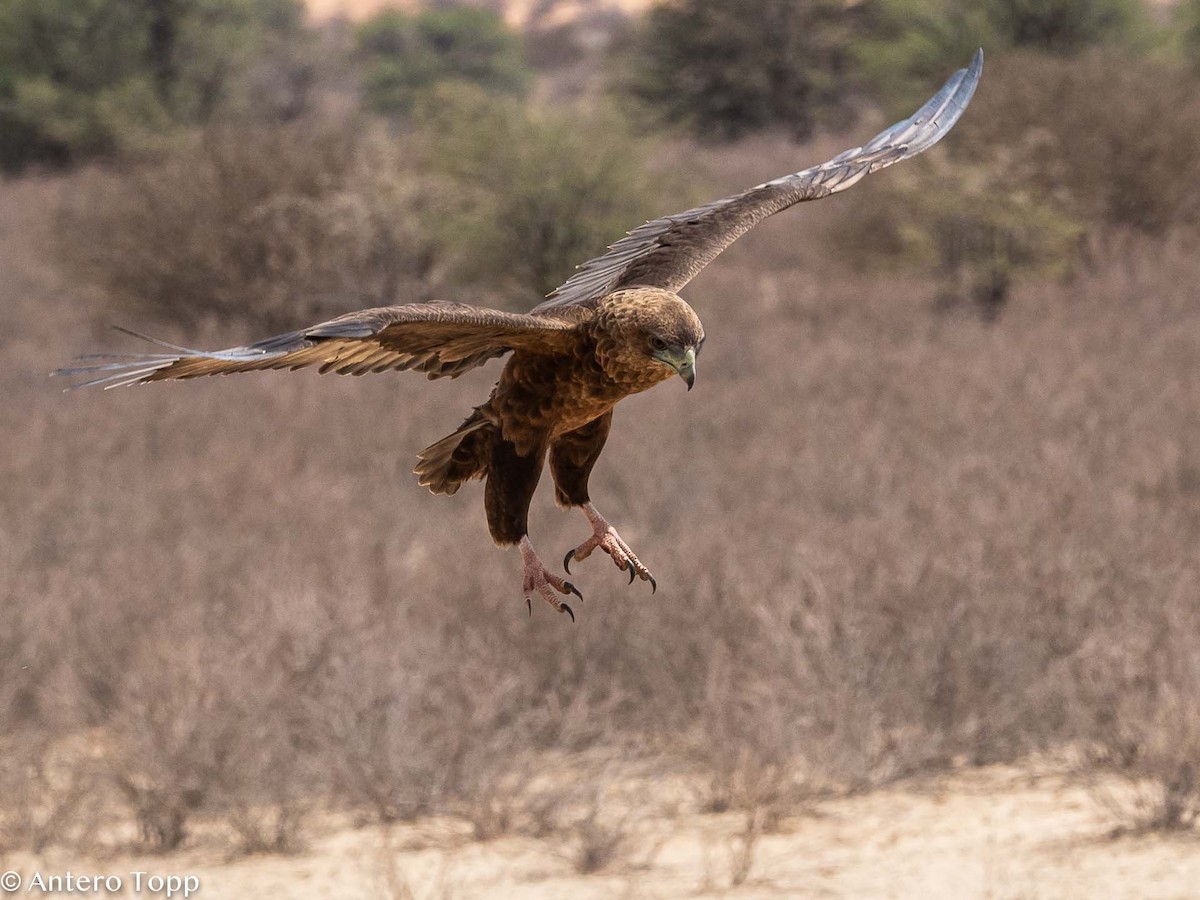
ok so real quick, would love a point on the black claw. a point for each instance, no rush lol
(653, 583)
(632, 573)
(529, 606)
(571, 589)
(567, 561)
(567, 610)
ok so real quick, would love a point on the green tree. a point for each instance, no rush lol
(1064, 148)
(84, 77)
(913, 43)
(218, 47)
(727, 67)
(530, 194)
(406, 55)
(1187, 30)
(1065, 26)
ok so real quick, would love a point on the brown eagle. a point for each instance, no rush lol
(615, 328)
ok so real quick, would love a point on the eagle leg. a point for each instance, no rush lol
(540, 579)
(605, 537)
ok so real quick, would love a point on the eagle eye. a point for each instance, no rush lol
(658, 343)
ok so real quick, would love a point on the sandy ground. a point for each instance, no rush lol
(997, 832)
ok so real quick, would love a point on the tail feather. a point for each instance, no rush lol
(446, 465)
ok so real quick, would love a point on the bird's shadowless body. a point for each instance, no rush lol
(615, 328)
(560, 402)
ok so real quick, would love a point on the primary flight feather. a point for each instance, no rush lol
(615, 328)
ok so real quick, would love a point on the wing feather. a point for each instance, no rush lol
(670, 251)
(439, 339)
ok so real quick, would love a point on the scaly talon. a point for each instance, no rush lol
(541, 580)
(605, 537)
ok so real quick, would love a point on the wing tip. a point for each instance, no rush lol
(972, 74)
(926, 127)
(151, 340)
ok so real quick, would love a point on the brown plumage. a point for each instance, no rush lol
(613, 329)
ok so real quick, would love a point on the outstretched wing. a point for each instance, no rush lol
(670, 251)
(440, 339)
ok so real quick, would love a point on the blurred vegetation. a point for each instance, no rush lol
(975, 229)
(405, 55)
(909, 44)
(282, 223)
(975, 609)
(724, 68)
(1065, 26)
(1083, 123)
(80, 78)
(1040, 162)
(268, 225)
(535, 192)
(279, 225)
(1077, 129)
(1108, 138)
(728, 68)
(1187, 31)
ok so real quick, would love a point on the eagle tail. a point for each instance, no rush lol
(446, 465)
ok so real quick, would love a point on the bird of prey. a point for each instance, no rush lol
(615, 328)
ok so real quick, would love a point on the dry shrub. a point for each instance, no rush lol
(1051, 151)
(1139, 682)
(390, 754)
(1108, 135)
(742, 846)
(598, 824)
(532, 192)
(53, 793)
(493, 782)
(603, 837)
(274, 828)
(397, 884)
(883, 542)
(273, 226)
(410, 735)
(748, 741)
(171, 738)
(215, 724)
(282, 226)
(272, 774)
(978, 226)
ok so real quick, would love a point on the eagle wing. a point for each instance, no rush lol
(670, 251)
(439, 339)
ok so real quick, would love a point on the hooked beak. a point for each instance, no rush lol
(687, 369)
(684, 363)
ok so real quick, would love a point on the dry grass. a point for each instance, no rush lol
(885, 539)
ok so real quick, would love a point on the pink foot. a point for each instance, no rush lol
(606, 538)
(540, 579)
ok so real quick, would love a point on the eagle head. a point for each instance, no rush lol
(646, 335)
